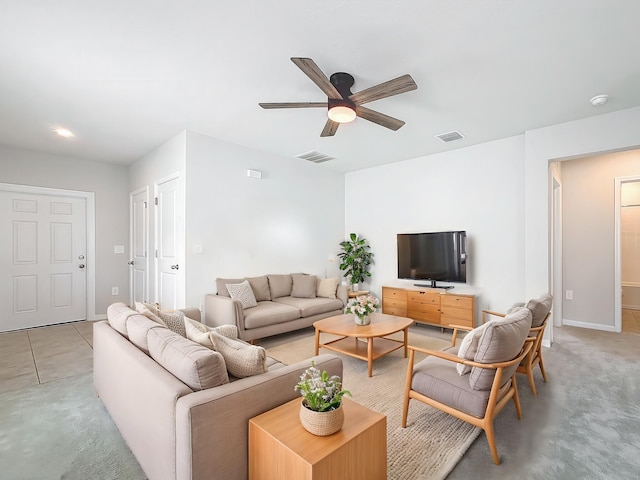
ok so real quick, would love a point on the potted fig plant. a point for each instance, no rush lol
(356, 258)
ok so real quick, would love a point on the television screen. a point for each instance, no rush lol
(437, 256)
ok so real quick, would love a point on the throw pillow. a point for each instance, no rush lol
(150, 311)
(327, 288)
(221, 285)
(242, 360)
(469, 347)
(175, 321)
(242, 292)
(200, 333)
(304, 286)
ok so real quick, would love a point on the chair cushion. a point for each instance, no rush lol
(269, 313)
(327, 287)
(304, 286)
(438, 379)
(539, 308)
(280, 285)
(311, 306)
(242, 360)
(469, 347)
(117, 316)
(221, 285)
(194, 365)
(501, 341)
(242, 291)
(260, 287)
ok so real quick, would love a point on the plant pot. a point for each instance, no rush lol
(355, 287)
(321, 423)
(366, 320)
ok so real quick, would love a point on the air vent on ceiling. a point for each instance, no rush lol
(315, 157)
(450, 136)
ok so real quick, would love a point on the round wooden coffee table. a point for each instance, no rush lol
(381, 326)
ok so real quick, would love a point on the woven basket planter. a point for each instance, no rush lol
(321, 423)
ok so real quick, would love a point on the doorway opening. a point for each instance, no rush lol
(628, 254)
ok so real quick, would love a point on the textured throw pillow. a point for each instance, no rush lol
(175, 321)
(200, 333)
(221, 285)
(469, 347)
(242, 292)
(304, 286)
(242, 360)
(150, 311)
(327, 288)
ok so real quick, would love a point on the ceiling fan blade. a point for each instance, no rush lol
(386, 89)
(330, 128)
(379, 118)
(294, 105)
(312, 71)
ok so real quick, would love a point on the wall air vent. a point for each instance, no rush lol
(450, 136)
(315, 157)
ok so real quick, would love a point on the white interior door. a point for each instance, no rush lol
(169, 221)
(139, 246)
(43, 248)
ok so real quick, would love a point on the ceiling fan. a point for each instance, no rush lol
(343, 106)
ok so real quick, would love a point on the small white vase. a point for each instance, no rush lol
(355, 287)
(366, 320)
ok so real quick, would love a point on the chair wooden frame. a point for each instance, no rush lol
(535, 355)
(495, 404)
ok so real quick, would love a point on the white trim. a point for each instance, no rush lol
(89, 198)
(592, 326)
(617, 289)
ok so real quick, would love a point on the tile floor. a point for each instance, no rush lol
(630, 321)
(43, 354)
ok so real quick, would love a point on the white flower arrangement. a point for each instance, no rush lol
(362, 306)
(321, 392)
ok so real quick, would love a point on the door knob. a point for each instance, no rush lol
(130, 263)
(81, 265)
(174, 267)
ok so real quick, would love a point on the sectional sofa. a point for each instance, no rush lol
(161, 390)
(283, 303)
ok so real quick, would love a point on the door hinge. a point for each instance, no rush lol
(156, 253)
(145, 204)
(155, 201)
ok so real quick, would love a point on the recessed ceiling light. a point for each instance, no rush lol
(599, 100)
(64, 132)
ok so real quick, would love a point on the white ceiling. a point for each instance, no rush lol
(126, 75)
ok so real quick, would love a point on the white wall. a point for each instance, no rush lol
(291, 220)
(109, 184)
(589, 235)
(478, 189)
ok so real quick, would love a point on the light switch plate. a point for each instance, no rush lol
(118, 249)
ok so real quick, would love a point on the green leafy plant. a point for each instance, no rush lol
(356, 258)
(320, 391)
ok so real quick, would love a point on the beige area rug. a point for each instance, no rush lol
(433, 441)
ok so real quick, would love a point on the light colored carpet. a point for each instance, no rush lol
(432, 443)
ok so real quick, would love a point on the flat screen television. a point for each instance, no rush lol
(434, 257)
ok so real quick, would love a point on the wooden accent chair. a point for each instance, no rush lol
(540, 310)
(479, 394)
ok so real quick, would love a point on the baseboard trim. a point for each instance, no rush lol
(592, 326)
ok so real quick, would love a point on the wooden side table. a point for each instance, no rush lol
(357, 293)
(281, 449)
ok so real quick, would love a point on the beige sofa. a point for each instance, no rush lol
(283, 303)
(176, 431)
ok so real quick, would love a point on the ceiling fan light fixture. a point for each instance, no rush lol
(342, 114)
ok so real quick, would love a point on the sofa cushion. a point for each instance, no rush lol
(280, 285)
(117, 316)
(242, 360)
(304, 286)
(469, 347)
(221, 285)
(174, 321)
(269, 313)
(260, 287)
(539, 308)
(501, 341)
(201, 333)
(438, 379)
(196, 366)
(242, 291)
(327, 287)
(311, 306)
(138, 327)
